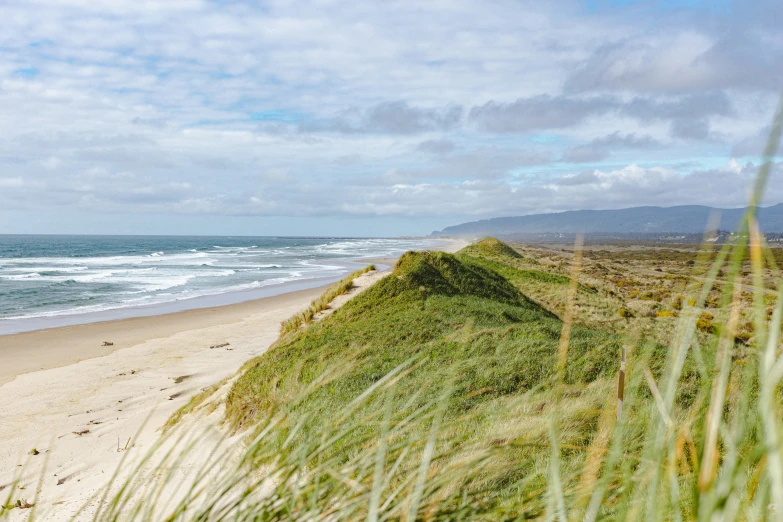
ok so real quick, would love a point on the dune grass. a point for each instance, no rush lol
(430, 392)
(490, 247)
(438, 311)
(193, 405)
(322, 303)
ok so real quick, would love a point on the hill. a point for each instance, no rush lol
(462, 346)
(483, 386)
(635, 220)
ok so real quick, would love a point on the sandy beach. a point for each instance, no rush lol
(55, 347)
(80, 416)
(76, 403)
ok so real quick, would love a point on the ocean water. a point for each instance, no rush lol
(50, 276)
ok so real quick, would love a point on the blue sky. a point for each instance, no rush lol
(323, 117)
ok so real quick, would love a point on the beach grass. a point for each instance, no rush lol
(322, 303)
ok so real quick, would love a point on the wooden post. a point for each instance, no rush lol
(621, 385)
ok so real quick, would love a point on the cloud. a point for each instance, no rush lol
(618, 140)
(436, 146)
(397, 117)
(584, 154)
(11, 182)
(667, 63)
(446, 110)
(601, 148)
(586, 177)
(696, 129)
(690, 52)
(485, 163)
(635, 185)
(755, 144)
(689, 115)
(540, 112)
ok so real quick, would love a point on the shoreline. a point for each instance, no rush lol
(82, 407)
(18, 325)
(26, 352)
(15, 326)
(82, 418)
(62, 345)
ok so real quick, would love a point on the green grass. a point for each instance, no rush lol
(445, 323)
(491, 247)
(192, 405)
(440, 309)
(307, 316)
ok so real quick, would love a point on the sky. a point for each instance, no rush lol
(376, 118)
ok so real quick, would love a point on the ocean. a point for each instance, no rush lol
(67, 276)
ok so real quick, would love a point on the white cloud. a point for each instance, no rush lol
(11, 182)
(374, 109)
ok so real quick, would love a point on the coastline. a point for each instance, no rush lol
(83, 418)
(26, 352)
(18, 325)
(216, 300)
(53, 345)
(83, 407)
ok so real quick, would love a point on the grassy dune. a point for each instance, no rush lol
(452, 318)
(445, 340)
(482, 386)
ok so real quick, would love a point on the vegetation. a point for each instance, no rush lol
(443, 393)
(322, 303)
(491, 247)
(193, 404)
(439, 310)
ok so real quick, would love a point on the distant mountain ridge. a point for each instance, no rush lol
(634, 220)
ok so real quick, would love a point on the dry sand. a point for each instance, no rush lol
(80, 415)
(55, 347)
(108, 398)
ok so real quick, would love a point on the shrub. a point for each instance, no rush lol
(626, 313)
(744, 333)
(665, 313)
(704, 322)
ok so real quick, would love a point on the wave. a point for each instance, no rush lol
(134, 260)
(50, 285)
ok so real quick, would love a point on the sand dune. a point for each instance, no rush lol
(81, 416)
